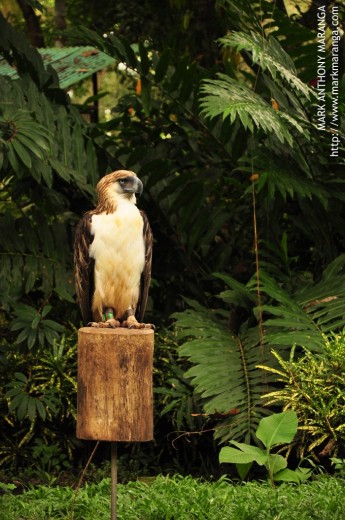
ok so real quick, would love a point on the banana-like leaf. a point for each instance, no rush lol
(278, 428)
(242, 454)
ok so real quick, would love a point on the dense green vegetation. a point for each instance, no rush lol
(179, 498)
(247, 209)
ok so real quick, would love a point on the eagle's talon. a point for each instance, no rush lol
(109, 324)
(113, 324)
(150, 326)
(131, 324)
(93, 324)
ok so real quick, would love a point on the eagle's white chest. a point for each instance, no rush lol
(119, 252)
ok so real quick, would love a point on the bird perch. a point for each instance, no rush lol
(115, 388)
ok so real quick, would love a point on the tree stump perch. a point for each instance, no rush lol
(115, 400)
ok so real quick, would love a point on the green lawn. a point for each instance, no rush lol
(178, 498)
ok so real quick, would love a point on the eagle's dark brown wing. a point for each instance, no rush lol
(83, 266)
(146, 274)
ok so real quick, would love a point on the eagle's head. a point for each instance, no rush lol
(118, 185)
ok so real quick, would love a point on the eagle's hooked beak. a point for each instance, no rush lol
(134, 187)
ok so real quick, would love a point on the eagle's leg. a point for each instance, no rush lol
(131, 322)
(108, 320)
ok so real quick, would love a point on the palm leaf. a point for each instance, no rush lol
(33, 258)
(224, 370)
(227, 97)
(265, 18)
(277, 176)
(270, 55)
(313, 310)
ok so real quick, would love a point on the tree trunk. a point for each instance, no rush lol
(60, 21)
(33, 25)
(115, 384)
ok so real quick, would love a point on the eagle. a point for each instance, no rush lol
(113, 255)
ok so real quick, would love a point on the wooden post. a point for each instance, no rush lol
(113, 463)
(115, 389)
(115, 384)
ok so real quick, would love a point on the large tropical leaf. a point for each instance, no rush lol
(278, 428)
(266, 18)
(47, 161)
(226, 367)
(224, 370)
(270, 55)
(226, 97)
(304, 317)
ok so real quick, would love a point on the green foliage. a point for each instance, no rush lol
(224, 370)
(310, 311)
(177, 399)
(273, 70)
(277, 429)
(21, 134)
(269, 55)
(339, 466)
(7, 488)
(34, 327)
(15, 48)
(49, 458)
(267, 18)
(227, 97)
(36, 167)
(23, 402)
(204, 160)
(272, 431)
(313, 386)
(175, 402)
(47, 166)
(182, 498)
(298, 304)
(226, 367)
(39, 405)
(47, 162)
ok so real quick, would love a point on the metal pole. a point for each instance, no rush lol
(113, 462)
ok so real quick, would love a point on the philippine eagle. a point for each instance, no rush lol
(112, 255)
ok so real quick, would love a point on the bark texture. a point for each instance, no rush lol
(115, 384)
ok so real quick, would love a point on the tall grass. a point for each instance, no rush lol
(179, 498)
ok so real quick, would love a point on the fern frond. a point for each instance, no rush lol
(33, 259)
(227, 97)
(243, 15)
(237, 294)
(276, 176)
(266, 18)
(224, 370)
(304, 318)
(270, 55)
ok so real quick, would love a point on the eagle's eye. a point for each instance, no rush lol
(123, 182)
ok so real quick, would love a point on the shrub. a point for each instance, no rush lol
(38, 405)
(314, 386)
